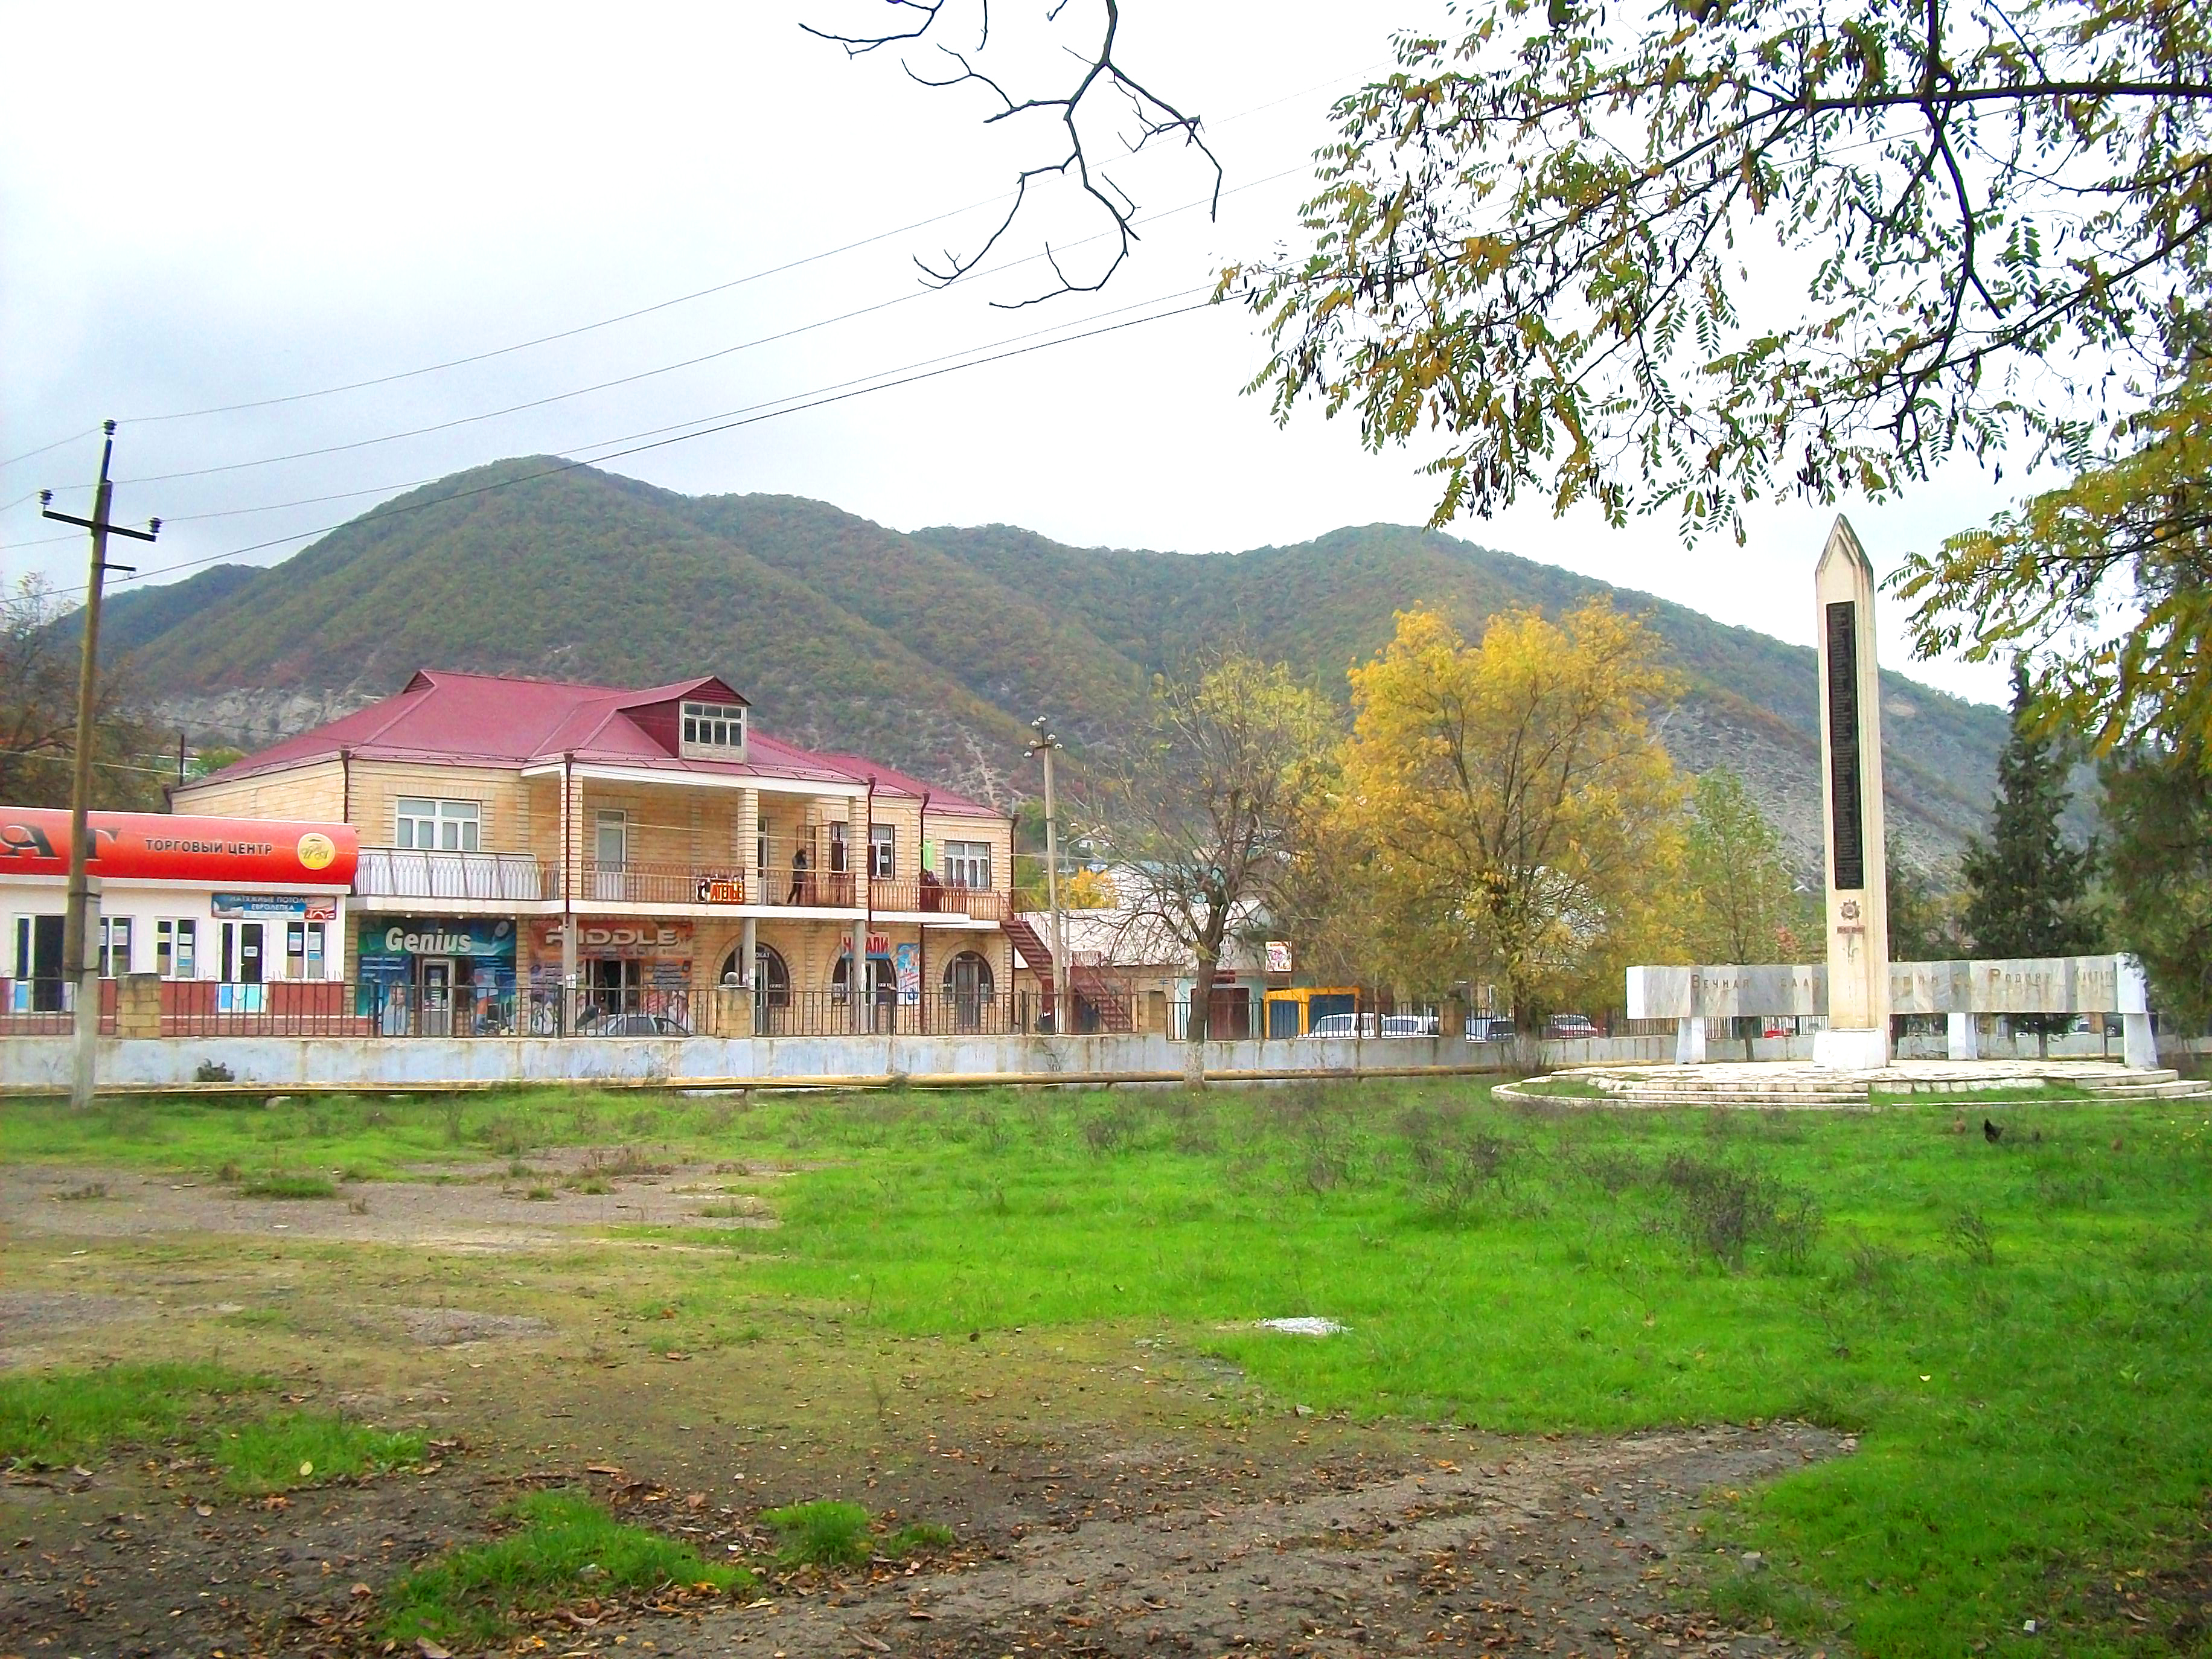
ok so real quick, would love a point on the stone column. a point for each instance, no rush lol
(748, 838)
(1857, 1036)
(2138, 1042)
(139, 1006)
(1965, 1036)
(1689, 1040)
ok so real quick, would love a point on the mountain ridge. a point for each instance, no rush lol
(933, 649)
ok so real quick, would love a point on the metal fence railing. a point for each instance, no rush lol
(399, 872)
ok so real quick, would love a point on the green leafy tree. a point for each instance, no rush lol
(1745, 905)
(1699, 254)
(2158, 813)
(1923, 915)
(2027, 890)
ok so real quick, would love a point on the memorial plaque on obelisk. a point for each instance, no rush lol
(1850, 795)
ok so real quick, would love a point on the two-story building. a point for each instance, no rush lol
(537, 855)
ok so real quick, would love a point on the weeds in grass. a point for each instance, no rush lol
(211, 1071)
(59, 1417)
(1722, 1208)
(1970, 1236)
(915, 1538)
(90, 1190)
(1110, 1131)
(1455, 1160)
(827, 1533)
(287, 1186)
(562, 1545)
(303, 1449)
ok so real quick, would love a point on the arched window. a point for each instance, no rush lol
(883, 979)
(968, 990)
(771, 978)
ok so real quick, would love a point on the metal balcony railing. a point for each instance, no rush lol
(400, 873)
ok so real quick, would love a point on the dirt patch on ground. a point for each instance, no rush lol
(1553, 1547)
(488, 1209)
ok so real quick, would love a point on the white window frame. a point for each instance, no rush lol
(603, 820)
(176, 947)
(110, 929)
(963, 858)
(883, 852)
(711, 728)
(446, 825)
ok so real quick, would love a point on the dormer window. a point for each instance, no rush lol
(716, 729)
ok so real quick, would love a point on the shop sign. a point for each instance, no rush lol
(906, 961)
(721, 889)
(1279, 955)
(160, 846)
(229, 905)
(879, 944)
(390, 936)
(629, 940)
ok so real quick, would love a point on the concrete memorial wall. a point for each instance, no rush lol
(1962, 991)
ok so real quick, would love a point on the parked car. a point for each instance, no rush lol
(1570, 1025)
(1409, 1026)
(1483, 1028)
(1343, 1025)
(633, 1025)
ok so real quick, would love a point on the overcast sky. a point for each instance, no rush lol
(209, 207)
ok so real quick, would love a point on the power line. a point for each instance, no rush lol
(641, 311)
(667, 368)
(685, 437)
(654, 431)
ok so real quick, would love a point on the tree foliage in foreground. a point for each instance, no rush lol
(1691, 256)
(1520, 819)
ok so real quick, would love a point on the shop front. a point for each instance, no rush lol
(623, 968)
(438, 975)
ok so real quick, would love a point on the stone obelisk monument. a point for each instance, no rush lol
(1857, 1036)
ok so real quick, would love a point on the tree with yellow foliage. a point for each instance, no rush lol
(1521, 818)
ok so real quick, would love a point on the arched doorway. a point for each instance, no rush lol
(968, 990)
(882, 989)
(771, 977)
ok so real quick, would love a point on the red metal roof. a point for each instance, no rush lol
(500, 719)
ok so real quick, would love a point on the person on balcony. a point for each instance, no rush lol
(932, 891)
(800, 881)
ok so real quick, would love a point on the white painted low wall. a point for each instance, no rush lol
(41, 1064)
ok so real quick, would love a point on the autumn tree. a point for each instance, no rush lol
(1690, 256)
(38, 713)
(1521, 818)
(1201, 821)
(1924, 910)
(1744, 903)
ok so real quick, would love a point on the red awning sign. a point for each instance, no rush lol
(230, 853)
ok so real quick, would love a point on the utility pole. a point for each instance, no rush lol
(79, 964)
(1045, 743)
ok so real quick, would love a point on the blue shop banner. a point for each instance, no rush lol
(390, 946)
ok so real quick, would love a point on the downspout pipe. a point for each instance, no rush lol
(921, 951)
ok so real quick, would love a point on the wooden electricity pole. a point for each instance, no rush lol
(79, 964)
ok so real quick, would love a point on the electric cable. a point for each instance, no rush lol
(664, 442)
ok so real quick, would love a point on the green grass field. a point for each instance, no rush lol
(2020, 1334)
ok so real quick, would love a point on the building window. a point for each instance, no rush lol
(295, 950)
(967, 864)
(445, 826)
(176, 948)
(883, 852)
(317, 949)
(114, 946)
(837, 864)
(610, 840)
(713, 728)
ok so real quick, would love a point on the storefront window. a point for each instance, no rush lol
(114, 946)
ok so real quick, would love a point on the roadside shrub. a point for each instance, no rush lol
(287, 1186)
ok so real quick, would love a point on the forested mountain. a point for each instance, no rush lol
(930, 650)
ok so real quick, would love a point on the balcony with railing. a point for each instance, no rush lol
(927, 895)
(396, 872)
